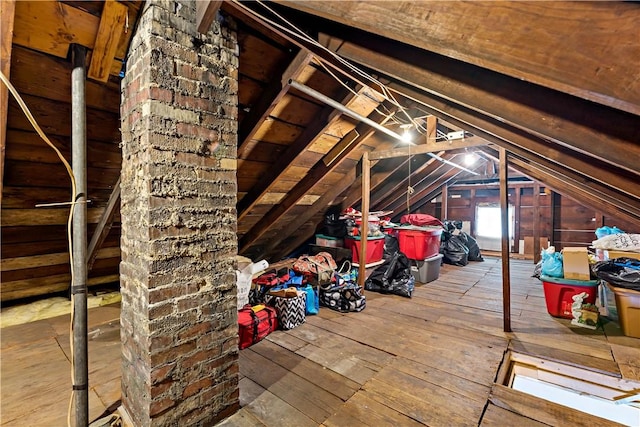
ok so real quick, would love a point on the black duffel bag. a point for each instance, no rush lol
(333, 226)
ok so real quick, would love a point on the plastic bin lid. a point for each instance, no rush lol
(418, 228)
(370, 237)
(563, 281)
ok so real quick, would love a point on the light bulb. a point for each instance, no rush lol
(469, 159)
(406, 136)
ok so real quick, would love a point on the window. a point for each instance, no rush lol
(488, 221)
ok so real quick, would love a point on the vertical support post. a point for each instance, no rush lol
(7, 12)
(79, 284)
(504, 215)
(517, 213)
(444, 205)
(364, 230)
(536, 223)
(555, 217)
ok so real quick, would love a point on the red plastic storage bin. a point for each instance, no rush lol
(419, 243)
(558, 294)
(375, 248)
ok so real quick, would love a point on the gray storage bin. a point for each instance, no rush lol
(428, 270)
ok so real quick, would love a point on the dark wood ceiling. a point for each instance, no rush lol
(556, 84)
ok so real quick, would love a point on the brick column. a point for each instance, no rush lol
(179, 123)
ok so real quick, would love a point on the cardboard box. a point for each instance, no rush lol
(576, 263)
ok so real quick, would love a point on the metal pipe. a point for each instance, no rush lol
(338, 106)
(79, 227)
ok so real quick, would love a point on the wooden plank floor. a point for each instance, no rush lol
(429, 360)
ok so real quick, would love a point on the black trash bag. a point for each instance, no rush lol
(455, 251)
(391, 246)
(474, 249)
(333, 226)
(620, 272)
(392, 277)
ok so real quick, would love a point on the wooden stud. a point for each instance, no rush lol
(111, 28)
(205, 14)
(364, 229)
(504, 204)
(517, 221)
(432, 127)
(7, 14)
(444, 208)
(536, 222)
(104, 225)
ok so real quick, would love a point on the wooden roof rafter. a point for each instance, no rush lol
(479, 33)
(269, 99)
(313, 177)
(311, 133)
(568, 121)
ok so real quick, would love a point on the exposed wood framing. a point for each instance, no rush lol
(481, 33)
(528, 146)
(424, 196)
(430, 147)
(314, 176)
(7, 14)
(536, 222)
(326, 119)
(504, 216)
(205, 14)
(34, 33)
(112, 26)
(364, 227)
(319, 207)
(573, 185)
(444, 205)
(432, 127)
(269, 99)
(569, 121)
(104, 225)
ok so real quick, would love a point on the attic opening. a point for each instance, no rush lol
(577, 387)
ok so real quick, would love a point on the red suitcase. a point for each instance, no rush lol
(253, 326)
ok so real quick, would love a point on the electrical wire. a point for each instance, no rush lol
(297, 33)
(39, 131)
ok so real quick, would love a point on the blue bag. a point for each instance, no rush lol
(552, 264)
(313, 302)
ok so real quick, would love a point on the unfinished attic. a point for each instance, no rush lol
(157, 155)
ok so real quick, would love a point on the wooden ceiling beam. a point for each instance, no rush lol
(54, 34)
(269, 98)
(564, 54)
(7, 14)
(206, 13)
(112, 27)
(573, 123)
(431, 147)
